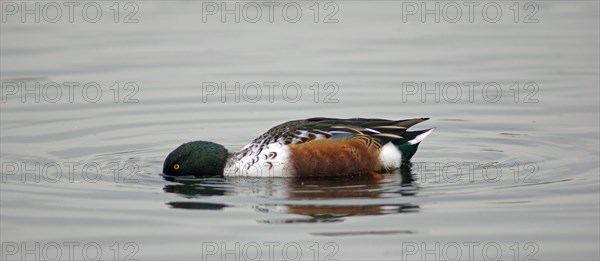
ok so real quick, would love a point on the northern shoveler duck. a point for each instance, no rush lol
(315, 147)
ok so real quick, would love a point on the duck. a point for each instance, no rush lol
(313, 147)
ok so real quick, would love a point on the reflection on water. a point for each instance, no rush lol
(321, 200)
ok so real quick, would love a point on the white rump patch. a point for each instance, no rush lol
(390, 156)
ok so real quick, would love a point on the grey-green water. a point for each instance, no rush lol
(507, 176)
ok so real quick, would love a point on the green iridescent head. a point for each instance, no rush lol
(196, 158)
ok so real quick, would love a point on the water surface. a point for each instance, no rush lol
(504, 176)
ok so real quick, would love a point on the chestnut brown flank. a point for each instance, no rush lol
(326, 157)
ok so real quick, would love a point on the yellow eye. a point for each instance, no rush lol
(176, 166)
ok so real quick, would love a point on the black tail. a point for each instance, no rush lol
(410, 143)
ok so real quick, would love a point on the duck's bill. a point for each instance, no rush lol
(184, 177)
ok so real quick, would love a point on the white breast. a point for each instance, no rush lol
(271, 161)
